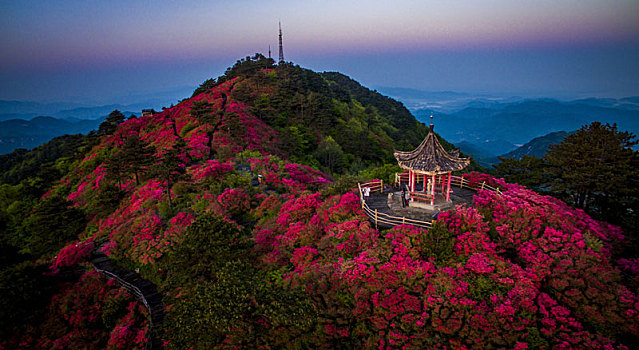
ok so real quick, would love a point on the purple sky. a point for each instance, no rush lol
(101, 51)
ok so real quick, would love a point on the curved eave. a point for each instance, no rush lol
(435, 171)
(431, 158)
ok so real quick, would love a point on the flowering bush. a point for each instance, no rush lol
(235, 201)
(80, 317)
(73, 254)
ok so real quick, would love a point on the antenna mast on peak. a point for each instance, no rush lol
(281, 47)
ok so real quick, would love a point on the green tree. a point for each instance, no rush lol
(528, 171)
(209, 243)
(115, 167)
(51, 224)
(171, 168)
(205, 113)
(595, 164)
(137, 156)
(111, 123)
(330, 155)
(226, 299)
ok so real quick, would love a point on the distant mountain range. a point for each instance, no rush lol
(538, 146)
(28, 110)
(27, 124)
(20, 133)
(501, 128)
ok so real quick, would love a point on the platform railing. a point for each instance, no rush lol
(383, 218)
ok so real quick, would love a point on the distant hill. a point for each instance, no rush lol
(482, 155)
(444, 101)
(520, 122)
(20, 133)
(538, 146)
(97, 112)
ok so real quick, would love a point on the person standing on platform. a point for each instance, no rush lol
(403, 197)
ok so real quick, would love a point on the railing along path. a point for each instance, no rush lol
(378, 217)
(142, 289)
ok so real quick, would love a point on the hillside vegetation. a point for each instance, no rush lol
(238, 204)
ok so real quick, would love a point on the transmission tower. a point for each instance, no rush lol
(281, 47)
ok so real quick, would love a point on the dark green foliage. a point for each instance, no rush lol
(330, 155)
(594, 164)
(481, 287)
(134, 158)
(108, 199)
(529, 171)
(25, 289)
(204, 87)
(242, 307)
(51, 224)
(224, 294)
(203, 112)
(170, 168)
(22, 164)
(247, 67)
(111, 123)
(437, 243)
(209, 243)
(137, 155)
(385, 172)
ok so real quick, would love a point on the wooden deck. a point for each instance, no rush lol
(391, 206)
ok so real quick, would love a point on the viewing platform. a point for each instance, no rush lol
(384, 208)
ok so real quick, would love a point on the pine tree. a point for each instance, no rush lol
(205, 114)
(111, 123)
(171, 167)
(595, 164)
(137, 155)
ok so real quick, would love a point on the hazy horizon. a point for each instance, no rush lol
(101, 52)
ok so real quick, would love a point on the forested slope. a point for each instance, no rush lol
(234, 203)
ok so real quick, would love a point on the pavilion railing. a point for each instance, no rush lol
(383, 218)
(386, 219)
(374, 185)
(461, 182)
(421, 196)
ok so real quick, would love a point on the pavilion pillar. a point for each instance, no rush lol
(450, 175)
(411, 182)
(432, 198)
(424, 189)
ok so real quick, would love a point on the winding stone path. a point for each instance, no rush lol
(142, 289)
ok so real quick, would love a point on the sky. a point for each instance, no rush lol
(109, 51)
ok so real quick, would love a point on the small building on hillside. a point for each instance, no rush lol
(148, 112)
(428, 172)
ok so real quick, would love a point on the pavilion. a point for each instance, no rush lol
(431, 165)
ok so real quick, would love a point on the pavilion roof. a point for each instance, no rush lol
(431, 158)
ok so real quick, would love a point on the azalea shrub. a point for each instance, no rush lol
(517, 272)
(92, 314)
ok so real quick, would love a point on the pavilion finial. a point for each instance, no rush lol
(431, 122)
